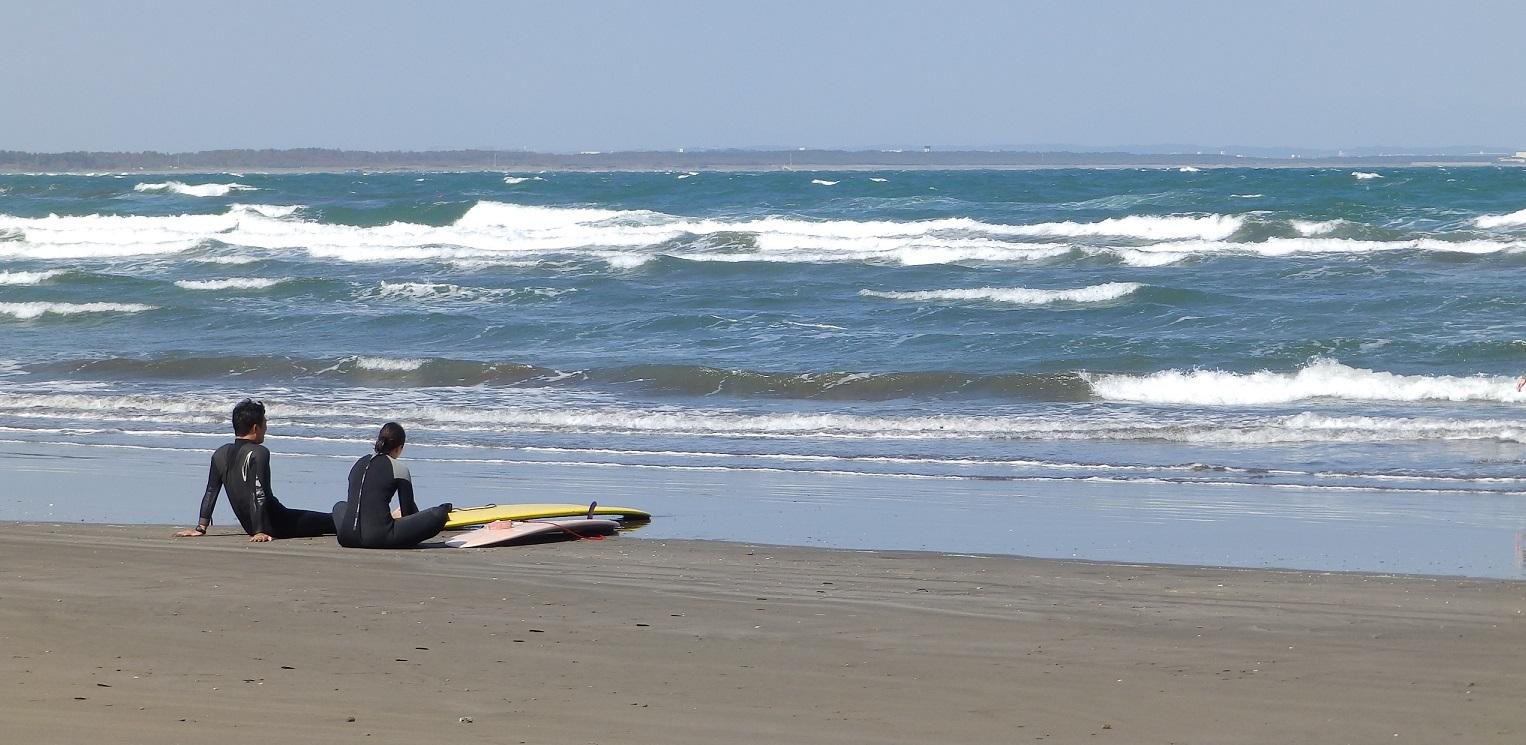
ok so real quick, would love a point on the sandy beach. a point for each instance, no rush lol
(125, 635)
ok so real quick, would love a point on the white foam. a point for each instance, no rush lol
(195, 190)
(1276, 247)
(432, 291)
(1321, 379)
(1312, 227)
(502, 416)
(233, 283)
(522, 217)
(1365, 175)
(1149, 227)
(388, 364)
(1188, 169)
(267, 210)
(824, 182)
(28, 278)
(626, 261)
(1136, 257)
(1501, 221)
(1018, 295)
(878, 180)
(512, 180)
(95, 236)
(496, 234)
(35, 310)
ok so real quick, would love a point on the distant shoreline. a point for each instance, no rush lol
(467, 161)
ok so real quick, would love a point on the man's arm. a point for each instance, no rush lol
(208, 501)
(259, 518)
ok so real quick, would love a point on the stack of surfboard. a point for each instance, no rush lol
(510, 524)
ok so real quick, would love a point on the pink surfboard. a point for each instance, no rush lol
(511, 532)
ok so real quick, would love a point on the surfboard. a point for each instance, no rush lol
(511, 532)
(464, 516)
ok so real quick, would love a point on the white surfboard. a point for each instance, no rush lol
(512, 532)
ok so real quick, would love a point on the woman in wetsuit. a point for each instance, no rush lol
(364, 520)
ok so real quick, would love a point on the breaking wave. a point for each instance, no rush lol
(1018, 295)
(28, 278)
(27, 311)
(1322, 379)
(495, 233)
(520, 417)
(234, 283)
(1501, 221)
(194, 190)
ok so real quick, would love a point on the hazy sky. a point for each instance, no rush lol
(570, 75)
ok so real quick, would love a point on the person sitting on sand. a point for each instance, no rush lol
(365, 519)
(242, 467)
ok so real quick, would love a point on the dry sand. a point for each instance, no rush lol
(124, 635)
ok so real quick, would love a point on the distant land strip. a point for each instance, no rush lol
(321, 159)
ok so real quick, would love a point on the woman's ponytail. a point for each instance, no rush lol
(390, 438)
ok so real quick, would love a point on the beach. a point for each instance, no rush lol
(934, 456)
(121, 633)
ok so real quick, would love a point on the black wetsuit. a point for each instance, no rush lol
(243, 469)
(365, 519)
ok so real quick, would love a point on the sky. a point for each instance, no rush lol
(576, 75)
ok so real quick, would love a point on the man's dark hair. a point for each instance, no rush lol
(246, 414)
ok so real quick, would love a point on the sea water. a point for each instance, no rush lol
(1330, 344)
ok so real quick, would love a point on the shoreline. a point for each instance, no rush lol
(125, 633)
(1177, 524)
(632, 533)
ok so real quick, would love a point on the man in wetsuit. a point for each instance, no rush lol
(242, 467)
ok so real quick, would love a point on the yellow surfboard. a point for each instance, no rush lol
(463, 516)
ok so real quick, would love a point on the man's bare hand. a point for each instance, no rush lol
(260, 538)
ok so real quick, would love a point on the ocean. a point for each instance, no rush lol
(1330, 342)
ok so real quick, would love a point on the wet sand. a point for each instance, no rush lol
(121, 634)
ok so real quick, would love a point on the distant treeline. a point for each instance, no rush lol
(326, 159)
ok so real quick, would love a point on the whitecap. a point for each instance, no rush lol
(1316, 227)
(1018, 295)
(823, 182)
(28, 278)
(1501, 221)
(1150, 227)
(26, 311)
(194, 190)
(266, 210)
(1365, 175)
(1319, 380)
(389, 364)
(233, 283)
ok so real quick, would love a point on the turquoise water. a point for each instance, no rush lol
(1326, 330)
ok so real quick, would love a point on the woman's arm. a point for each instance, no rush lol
(405, 502)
